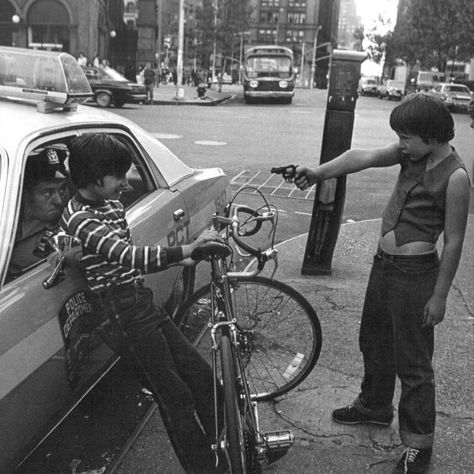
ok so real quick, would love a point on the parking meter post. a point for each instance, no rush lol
(337, 136)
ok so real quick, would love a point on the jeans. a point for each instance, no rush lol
(393, 343)
(166, 363)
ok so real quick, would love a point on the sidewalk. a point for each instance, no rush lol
(322, 446)
(168, 94)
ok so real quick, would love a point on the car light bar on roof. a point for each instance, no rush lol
(50, 79)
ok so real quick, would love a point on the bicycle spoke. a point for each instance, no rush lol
(279, 333)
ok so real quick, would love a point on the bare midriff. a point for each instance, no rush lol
(388, 244)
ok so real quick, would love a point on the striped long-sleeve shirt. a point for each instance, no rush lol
(109, 255)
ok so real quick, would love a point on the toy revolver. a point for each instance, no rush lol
(288, 172)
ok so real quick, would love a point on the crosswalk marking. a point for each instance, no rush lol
(269, 184)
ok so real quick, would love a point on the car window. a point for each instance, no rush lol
(171, 168)
(32, 243)
(458, 89)
(45, 192)
(138, 178)
(91, 73)
(113, 74)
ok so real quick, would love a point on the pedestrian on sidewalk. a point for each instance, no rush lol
(156, 352)
(149, 82)
(409, 283)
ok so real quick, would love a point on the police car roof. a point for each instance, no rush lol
(20, 121)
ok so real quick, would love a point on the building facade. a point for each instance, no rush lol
(73, 26)
(349, 24)
(301, 25)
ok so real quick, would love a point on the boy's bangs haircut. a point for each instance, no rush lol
(425, 115)
(96, 155)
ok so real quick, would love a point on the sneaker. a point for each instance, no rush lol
(350, 415)
(414, 461)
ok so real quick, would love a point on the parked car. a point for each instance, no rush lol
(426, 80)
(455, 96)
(111, 88)
(48, 358)
(391, 90)
(367, 86)
(226, 78)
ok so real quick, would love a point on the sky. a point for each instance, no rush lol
(369, 10)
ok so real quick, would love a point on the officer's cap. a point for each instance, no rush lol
(46, 164)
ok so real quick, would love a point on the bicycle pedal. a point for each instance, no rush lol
(278, 440)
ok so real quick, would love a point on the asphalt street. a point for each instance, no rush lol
(244, 140)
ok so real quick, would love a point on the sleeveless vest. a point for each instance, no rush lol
(415, 211)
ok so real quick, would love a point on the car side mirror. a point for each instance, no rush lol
(66, 247)
(64, 243)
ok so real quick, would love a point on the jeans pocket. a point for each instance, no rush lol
(417, 267)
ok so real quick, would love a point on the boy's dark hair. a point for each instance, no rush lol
(96, 155)
(425, 115)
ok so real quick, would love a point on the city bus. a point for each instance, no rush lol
(268, 74)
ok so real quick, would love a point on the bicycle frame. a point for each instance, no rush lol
(224, 321)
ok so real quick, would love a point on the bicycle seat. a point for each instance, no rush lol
(211, 250)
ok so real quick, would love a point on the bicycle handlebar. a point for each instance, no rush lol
(236, 231)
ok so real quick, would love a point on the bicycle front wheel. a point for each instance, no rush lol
(234, 433)
(279, 332)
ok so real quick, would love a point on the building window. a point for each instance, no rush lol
(48, 26)
(8, 29)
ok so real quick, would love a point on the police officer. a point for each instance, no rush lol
(45, 194)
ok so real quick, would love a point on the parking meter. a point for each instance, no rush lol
(337, 136)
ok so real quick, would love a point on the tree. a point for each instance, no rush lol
(431, 33)
(379, 36)
(222, 26)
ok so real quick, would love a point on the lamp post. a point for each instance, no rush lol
(179, 62)
(16, 21)
(279, 14)
(241, 57)
(214, 45)
(302, 65)
(313, 64)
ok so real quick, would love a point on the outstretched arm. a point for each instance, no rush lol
(351, 161)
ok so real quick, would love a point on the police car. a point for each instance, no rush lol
(48, 360)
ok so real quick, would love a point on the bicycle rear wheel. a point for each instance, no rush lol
(280, 334)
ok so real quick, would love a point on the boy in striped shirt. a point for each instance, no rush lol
(128, 320)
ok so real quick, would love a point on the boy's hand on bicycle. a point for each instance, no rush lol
(209, 235)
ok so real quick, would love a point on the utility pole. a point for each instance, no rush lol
(214, 46)
(179, 63)
(302, 65)
(158, 36)
(280, 12)
(313, 64)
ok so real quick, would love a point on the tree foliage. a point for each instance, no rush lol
(379, 37)
(431, 33)
(222, 26)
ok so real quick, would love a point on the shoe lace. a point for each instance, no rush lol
(410, 456)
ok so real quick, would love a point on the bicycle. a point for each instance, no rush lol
(265, 338)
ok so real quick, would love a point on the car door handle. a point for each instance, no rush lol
(178, 215)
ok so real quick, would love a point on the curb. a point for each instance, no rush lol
(206, 103)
